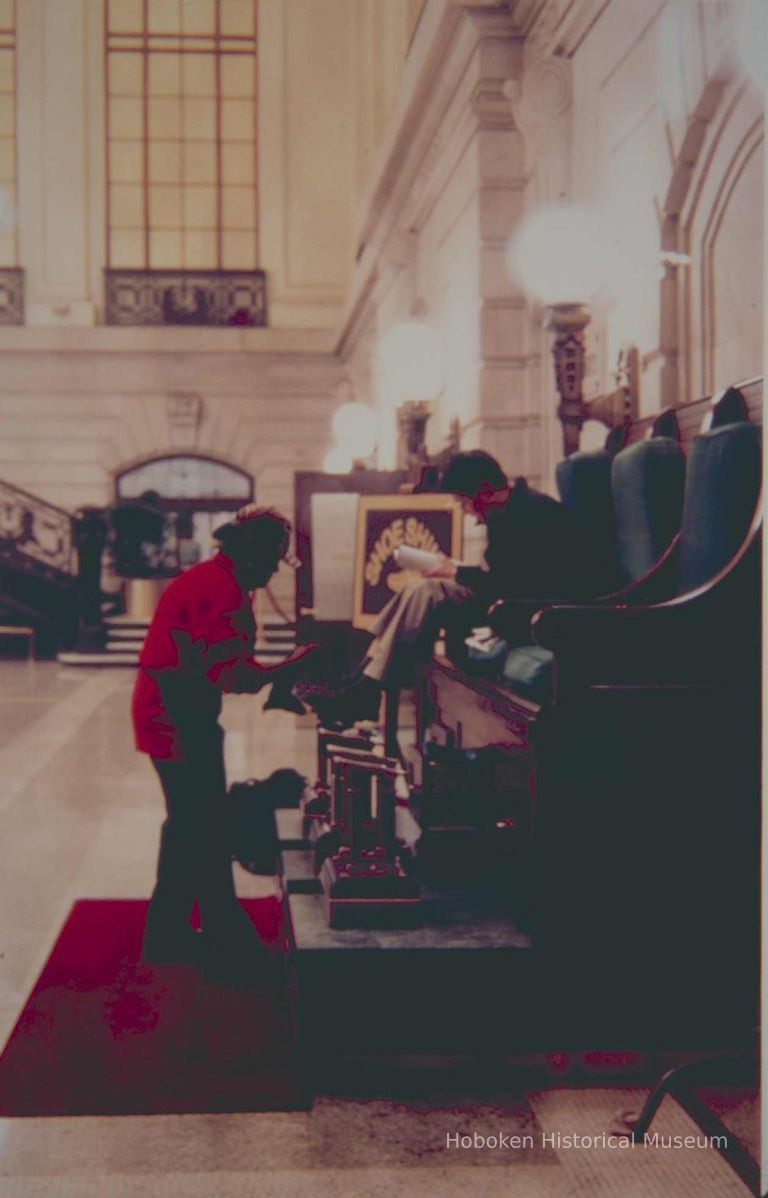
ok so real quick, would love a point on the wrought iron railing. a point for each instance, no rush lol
(34, 533)
(11, 295)
(186, 297)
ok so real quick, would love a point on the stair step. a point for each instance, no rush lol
(124, 646)
(74, 658)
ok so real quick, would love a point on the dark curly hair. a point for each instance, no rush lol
(255, 532)
(466, 473)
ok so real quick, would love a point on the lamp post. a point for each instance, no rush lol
(410, 368)
(568, 322)
(557, 257)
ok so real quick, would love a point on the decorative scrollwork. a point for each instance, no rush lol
(11, 296)
(33, 532)
(185, 297)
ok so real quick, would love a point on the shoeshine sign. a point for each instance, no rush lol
(385, 523)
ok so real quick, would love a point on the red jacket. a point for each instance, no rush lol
(200, 643)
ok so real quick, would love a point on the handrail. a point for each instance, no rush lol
(34, 532)
(35, 498)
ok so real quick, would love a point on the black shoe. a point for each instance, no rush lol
(186, 946)
(358, 702)
(282, 698)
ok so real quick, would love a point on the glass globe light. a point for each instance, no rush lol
(410, 363)
(557, 256)
(338, 460)
(355, 428)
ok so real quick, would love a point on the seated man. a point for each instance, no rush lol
(533, 551)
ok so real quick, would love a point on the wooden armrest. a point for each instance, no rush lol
(665, 644)
(586, 627)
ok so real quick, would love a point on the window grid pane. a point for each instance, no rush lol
(181, 134)
(9, 249)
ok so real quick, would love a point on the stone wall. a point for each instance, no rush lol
(78, 406)
(644, 112)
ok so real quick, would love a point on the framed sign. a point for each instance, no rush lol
(385, 522)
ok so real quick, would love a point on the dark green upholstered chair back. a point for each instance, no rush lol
(584, 484)
(722, 491)
(648, 481)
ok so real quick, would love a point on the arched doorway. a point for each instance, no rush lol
(200, 492)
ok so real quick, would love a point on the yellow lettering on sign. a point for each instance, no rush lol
(410, 532)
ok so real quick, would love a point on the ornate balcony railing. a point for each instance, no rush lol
(34, 534)
(11, 295)
(186, 297)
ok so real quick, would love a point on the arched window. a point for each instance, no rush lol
(182, 237)
(200, 493)
(187, 480)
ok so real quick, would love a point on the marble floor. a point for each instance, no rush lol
(79, 817)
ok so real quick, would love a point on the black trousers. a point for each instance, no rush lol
(194, 862)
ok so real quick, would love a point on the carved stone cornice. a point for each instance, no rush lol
(541, 104)
(543, 95)
(490, 104)
(184, 411)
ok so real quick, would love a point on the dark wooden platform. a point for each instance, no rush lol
(447, 986)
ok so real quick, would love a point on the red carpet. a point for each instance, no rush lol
(103, 1034)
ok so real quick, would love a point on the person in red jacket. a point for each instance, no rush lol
(200, 644)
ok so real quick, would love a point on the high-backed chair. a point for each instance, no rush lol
(647, 482)
(631, 502)
(648, 768)
(642, 763)
(584, 484)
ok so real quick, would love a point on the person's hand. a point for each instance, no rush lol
(292, 665)
(445, 568)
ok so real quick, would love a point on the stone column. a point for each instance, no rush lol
(55, 115)
(507, 421)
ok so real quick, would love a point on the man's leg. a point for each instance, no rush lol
(195, 860)
(411, 628)
(223, 920)
(405, 637)
(167, 935)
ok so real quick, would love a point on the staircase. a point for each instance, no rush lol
(125, 637)
(275, 642)
(38, 576)
(39, 590)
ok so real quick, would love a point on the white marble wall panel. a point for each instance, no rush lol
(451, 179)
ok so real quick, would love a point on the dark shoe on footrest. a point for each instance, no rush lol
(282, 698)
(360, 701)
